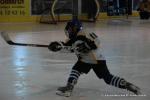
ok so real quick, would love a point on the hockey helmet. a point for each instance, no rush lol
(72, 28)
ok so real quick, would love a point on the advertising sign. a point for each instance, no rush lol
(14, 7)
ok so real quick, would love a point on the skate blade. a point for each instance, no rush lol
(66, 94)
(136, 90)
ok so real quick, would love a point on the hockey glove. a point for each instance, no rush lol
(55, 46)
(83, 47)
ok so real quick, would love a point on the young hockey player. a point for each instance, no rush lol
(88, 51)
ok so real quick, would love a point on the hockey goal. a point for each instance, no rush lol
(56, 8)
(62, 10)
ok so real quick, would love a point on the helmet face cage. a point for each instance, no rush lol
(72, 28)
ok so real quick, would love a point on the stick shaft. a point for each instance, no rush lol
(31, 45)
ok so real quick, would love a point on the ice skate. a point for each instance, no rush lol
(65, 91)
(133, 88)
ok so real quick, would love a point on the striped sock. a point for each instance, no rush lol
(73, 77)
(118, 82)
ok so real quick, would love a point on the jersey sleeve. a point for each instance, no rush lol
(90, 39)
(93, 37)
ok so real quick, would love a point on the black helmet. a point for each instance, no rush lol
(72, 28)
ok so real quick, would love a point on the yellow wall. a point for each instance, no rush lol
(16, 11)
(19, 11)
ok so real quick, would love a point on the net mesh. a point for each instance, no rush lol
(55, 9)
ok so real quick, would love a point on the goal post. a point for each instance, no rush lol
(48, 15)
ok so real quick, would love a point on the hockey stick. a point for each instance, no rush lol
(10, 42)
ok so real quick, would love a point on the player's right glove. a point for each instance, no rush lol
(55, 46)
(82, 47)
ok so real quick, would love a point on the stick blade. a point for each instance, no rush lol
(6, 37)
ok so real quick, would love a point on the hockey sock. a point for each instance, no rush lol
(118, 82)
(73, 77)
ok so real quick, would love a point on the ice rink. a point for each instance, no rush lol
(31, 73)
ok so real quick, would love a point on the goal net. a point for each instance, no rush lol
(61, 10)
(54, 9)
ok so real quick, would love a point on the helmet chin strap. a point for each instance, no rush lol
(71, 35)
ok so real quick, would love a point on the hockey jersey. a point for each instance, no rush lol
(93, 42)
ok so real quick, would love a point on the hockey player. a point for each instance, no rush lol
(144, 9)
(88, 51)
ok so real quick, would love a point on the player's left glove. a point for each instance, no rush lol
(55, 46)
